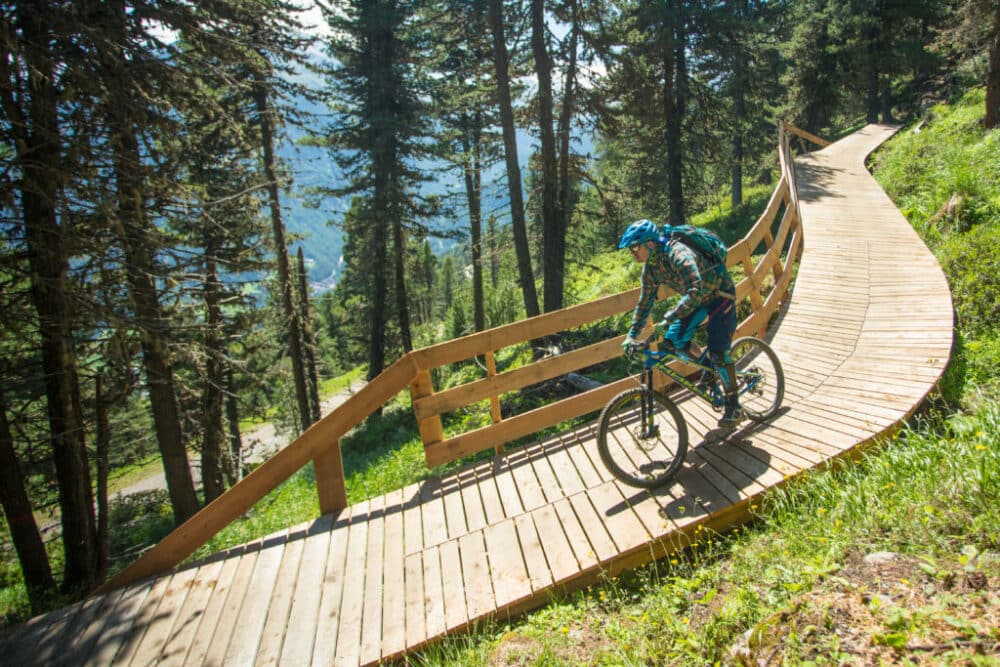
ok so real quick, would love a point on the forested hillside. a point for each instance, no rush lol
(151, 303)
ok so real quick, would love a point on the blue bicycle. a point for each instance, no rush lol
(642, 435)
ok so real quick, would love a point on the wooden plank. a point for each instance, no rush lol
(413, 530)
(339, 631)
(224, 603)
(576, 535)
(370, 649)
(510, 499)
(506, 568)
(703, 493)
(476, 576)
(438, 616)
(116, 631)
(303, 618)
(456, 611)
(416, 601)
(279, 605)
(352, 601)
(565, 472)
(615, 511)
(90, 618)
(454, 511)
(547, 481)
(334, 576)
(394, 581)
(146, 615)
(486, 481)
(523, 474)
(562, 563)
(472, 502)
(435, 525)
(150, 648)
(602, 545)
(532, 552)
(328, 467)
(252, 615)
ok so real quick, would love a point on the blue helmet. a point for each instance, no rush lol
(639, 231)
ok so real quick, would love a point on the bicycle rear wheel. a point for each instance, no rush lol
(641, 454)
(760, 377)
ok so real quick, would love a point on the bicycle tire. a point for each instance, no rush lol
(644, 462)
(760, 378)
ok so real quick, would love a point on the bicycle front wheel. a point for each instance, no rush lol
(642, 438)
(760, 378)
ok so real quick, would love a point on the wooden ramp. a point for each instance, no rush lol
(864, 338)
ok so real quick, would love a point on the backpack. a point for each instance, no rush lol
(704, 242)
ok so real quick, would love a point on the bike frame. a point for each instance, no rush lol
(654, 358)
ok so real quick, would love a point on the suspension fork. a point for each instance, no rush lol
(647, 404)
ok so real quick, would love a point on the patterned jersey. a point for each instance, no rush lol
(687, 273)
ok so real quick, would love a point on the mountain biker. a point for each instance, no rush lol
(707, 291)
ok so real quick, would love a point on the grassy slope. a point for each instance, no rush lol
(794, 587)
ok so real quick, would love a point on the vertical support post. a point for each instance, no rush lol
(329, 468)
(491, 371)
(430, 428)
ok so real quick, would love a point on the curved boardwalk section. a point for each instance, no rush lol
(864, 338)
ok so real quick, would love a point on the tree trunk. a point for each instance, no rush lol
(213, 436)
(565, 128)
(38, 154)
(552, 260)
(134, 232)
(103, 443)
(399, 264)
(740, 113)
(501, 63)
(281, 250)
(993, 75)
(23, 529)
(308, 343)
(235, 467)
(674, 100)
(377, 301)
(473, 184)
(136, 235)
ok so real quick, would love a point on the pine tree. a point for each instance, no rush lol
(501, 63)
(377, 138)
(35, 42)
(466, 110)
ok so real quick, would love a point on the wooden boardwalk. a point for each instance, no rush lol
(863, 340)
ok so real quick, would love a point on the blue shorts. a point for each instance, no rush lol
(721, 314)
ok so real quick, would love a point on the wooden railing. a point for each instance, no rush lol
(765, 256)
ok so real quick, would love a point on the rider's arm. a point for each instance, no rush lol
(685, 267)
(647, 297)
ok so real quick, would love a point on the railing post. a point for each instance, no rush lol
(430, 428)
(491, 371)
(329, 469)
